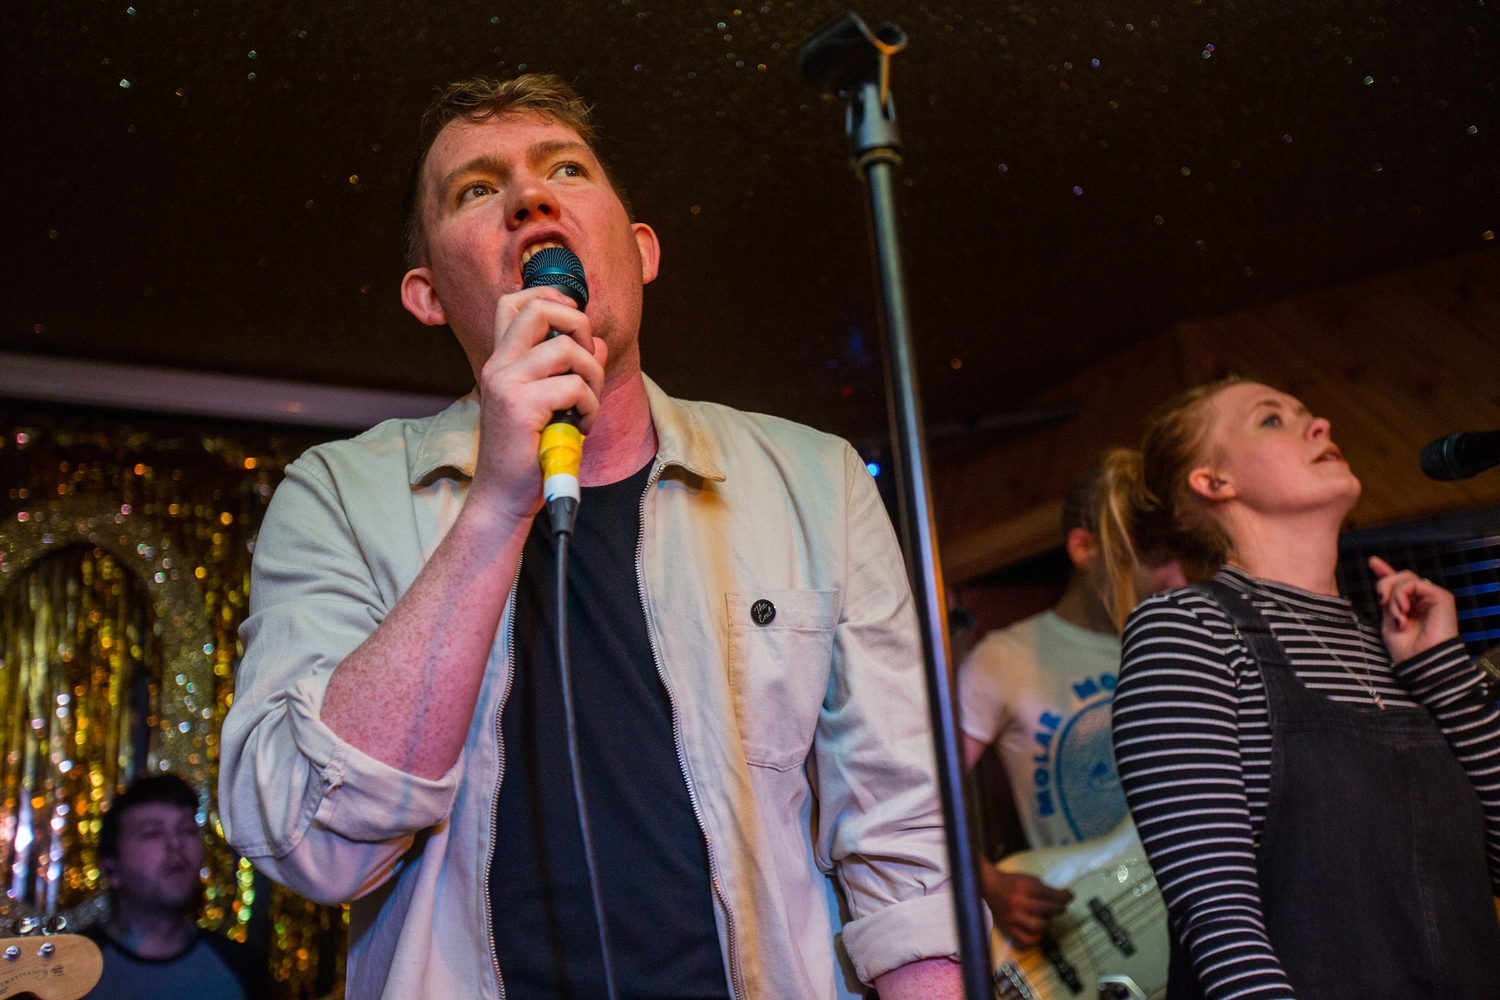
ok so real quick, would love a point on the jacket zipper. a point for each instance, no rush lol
(510, 679)
(713, 867)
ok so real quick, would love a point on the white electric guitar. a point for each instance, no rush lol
(1111, 943)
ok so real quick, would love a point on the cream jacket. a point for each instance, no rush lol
(804, 743)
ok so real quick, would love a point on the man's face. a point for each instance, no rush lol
(494, 191)
(161, 851)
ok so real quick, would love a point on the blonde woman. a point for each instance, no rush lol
(1320, 801)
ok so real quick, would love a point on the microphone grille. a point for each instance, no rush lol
(1438, 461)
(560, 268)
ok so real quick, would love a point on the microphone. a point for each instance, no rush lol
(1460, 456)
(562, 442)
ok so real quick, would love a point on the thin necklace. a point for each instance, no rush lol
(1374, 695)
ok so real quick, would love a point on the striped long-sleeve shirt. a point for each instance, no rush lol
(1193, 745)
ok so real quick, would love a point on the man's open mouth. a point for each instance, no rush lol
(530, 251)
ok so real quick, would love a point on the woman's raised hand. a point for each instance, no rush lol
(1417, 614)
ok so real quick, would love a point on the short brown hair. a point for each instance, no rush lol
(168, 788)
(478, 99)
(1081, 505)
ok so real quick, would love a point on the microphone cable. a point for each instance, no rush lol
(560, 453)
(564, 670)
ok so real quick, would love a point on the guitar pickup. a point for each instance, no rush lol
(1061, 965)
(1106, 918)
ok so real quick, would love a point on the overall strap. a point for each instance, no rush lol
(1249, 624)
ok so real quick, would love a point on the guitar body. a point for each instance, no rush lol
(1113, 939)
(49, 966)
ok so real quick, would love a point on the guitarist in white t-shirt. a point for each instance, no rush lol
(1039, 691)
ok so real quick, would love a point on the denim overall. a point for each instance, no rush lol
(1372, 868)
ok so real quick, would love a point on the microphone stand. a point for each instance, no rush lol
(845, 58)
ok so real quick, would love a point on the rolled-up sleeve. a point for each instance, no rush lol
(880, 815)
(307, 808)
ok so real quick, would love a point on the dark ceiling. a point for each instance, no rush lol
(218, 187)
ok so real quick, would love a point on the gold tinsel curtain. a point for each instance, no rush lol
(77, 689)
(125, 552)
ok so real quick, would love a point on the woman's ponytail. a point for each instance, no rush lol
(1123, 500)
(1180, 520)
(1149, 514)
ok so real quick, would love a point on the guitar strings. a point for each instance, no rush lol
(1091, 941)
(1094, 939)
(1094, 932)
(1091, 934)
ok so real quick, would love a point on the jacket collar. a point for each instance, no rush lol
(450, 440)
(680, 439)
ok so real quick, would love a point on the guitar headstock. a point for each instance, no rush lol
(49, 966)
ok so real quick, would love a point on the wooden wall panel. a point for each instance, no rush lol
(1390, 364)
(1393, 362)
(1003, 503)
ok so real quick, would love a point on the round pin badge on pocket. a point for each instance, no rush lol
(762, 612)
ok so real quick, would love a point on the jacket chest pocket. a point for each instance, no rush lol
(780, 654)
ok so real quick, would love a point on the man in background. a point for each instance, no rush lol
(150, 851)
(1039, 691)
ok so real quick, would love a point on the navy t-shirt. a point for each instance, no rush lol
(653, 864)
(211, 967)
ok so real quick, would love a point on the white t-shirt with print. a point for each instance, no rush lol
(1042, 689)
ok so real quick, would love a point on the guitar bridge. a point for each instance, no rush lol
(1011, 984)
(1119, 988)
(1117, 934)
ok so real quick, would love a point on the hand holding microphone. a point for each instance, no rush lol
(545, 360)
(561, 450)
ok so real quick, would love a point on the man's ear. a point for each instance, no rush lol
(650, 247)
(420, 297)
(1082, 545)
(1210, 485)
(107, 868)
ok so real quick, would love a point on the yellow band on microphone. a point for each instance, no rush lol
(561, 450)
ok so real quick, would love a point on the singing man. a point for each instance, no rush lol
(754, 746)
